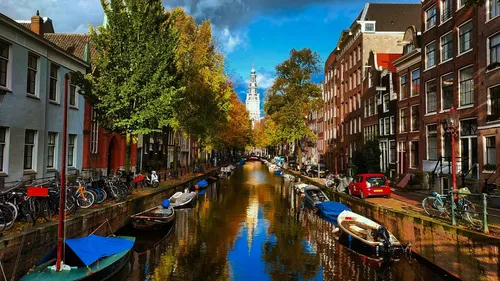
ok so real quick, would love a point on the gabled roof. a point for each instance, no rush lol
(392, 16)
(384, 60)
(73, 43)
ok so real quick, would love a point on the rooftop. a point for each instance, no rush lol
(385, 60)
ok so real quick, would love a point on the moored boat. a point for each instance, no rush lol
(183, 200)
(314, 196)
(89, 258)
(372, 238)
(154, 218)
(330, 210)
(299, 188)
(201, 184)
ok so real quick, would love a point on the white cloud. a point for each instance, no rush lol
(229, 40)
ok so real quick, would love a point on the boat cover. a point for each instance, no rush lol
(91, 248)
(330, 208)
(202, 183)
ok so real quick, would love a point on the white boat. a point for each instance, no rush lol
(299, 188)
(183, 200)
(288, 177)
(371, 237)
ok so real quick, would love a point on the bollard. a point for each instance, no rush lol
(485, 214)
(452, 199)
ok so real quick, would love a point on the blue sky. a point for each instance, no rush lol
(263, 31)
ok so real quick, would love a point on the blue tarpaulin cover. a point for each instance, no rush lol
(331, 209)
(202, 183)
(93, 247)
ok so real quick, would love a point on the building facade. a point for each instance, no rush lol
(32, 71)
(378, 28)
(253, 100)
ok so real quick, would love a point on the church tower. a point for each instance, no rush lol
(253, 100)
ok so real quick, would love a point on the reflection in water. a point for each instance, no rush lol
(253, 227)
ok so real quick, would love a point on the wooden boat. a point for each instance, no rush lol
(212, 179)
(330, 210)
(84, 261)
(370, 237)
(183, 200)
(313, 196)
(201, 185)
(154, 218)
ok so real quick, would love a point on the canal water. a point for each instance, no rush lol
(253, 227)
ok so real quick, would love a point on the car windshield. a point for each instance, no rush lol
(376, 181)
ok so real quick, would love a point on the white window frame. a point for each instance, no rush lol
(74, 147)
(427, 142)
(427, 97)
(36, 93)
(411, 119)
(400, 121)
(488, 6)
(443, 60)
(395, 151)
(489, 101)
(386, 105)
(8, 69)
(442, 92)
(392, 124)
(488, 51)
(460, 52)
(460, 89)
(381, 126)
(427, 67)
(94, 133)
(442, 11)
(54, 145)
(5, 152)
(427, 17)
(70, 90)
(411, 82)
(57, 80)
(485, 151)
(34, 150)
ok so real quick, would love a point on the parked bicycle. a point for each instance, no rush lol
(439, 205)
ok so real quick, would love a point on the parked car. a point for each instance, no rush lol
(366, 185)
(313, 172)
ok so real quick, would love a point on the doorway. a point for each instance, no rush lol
(113, 156)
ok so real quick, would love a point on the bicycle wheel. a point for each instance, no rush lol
(46, 211)
(71, 204)
(85, 199)
(468, 213)
(7, 218)
(434, 207)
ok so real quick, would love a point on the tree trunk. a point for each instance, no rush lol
(128, 151)
(299, 156)
(176, 152)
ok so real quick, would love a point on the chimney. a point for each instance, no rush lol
(37, 24)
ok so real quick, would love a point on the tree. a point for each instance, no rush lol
(136, 82)
(293, 96)
(367, 161)
(206, 100)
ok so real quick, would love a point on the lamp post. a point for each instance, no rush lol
(452, 120)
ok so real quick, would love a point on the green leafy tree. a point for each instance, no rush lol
(293, 96)
(367, 161)
(135, 84)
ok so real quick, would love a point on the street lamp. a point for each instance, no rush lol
(452, 120)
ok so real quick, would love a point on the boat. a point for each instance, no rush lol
(330, 210)
(252, 159)
(278, 172)
(314, 196)
(89, 258)
(370, 237)
(201, 184)
(154, 218)
(183, 200)
(288, 177)
(299, 188)
(212, 179)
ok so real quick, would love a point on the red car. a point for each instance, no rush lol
(366, 185)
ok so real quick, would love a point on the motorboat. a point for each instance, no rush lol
(201, 184)
(299, 188)
(154, 218)
(313, 196)
(372, 238)
(183, 200)
(330, 210)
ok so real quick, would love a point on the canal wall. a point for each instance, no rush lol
(466, 254)
(20, 252)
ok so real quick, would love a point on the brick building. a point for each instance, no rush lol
(377, 28)
(460, 69)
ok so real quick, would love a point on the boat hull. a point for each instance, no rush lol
(104, 269)
(149, 222)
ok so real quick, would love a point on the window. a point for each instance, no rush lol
(381, 126)
(447, 47)
(359, 100)
(491, 153)
(461, 3)
(392, 151)
(415, 118)
(32, 69)
(446, 10)
(370, 78)
(430, 55)
(29, 149)
(432, 142)
(392, 124)
(408, 48)
(404, 87)
(414, 154)
(359, 76)
(72, 95)
(4, 61)
(493, 8)
(403, 120)
(446, 142)
(71, 150)
(466, 77)
(369, 27)
(386, 102)
(494, 46)
(430, 93)
(54, 69)
(94, 142)
(415, 83)
(494, 104)
(3, 137)
(51, 152)
(447, 91)
(386, 126)
(465, 37)
(431, 16)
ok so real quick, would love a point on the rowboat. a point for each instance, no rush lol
(183, 200)
(201, 184)
(299, 188)
(330, 210)
(89, 258)
(370, 237)
(154, 218)
(314, 196)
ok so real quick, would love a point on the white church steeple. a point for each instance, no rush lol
(253, 100)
